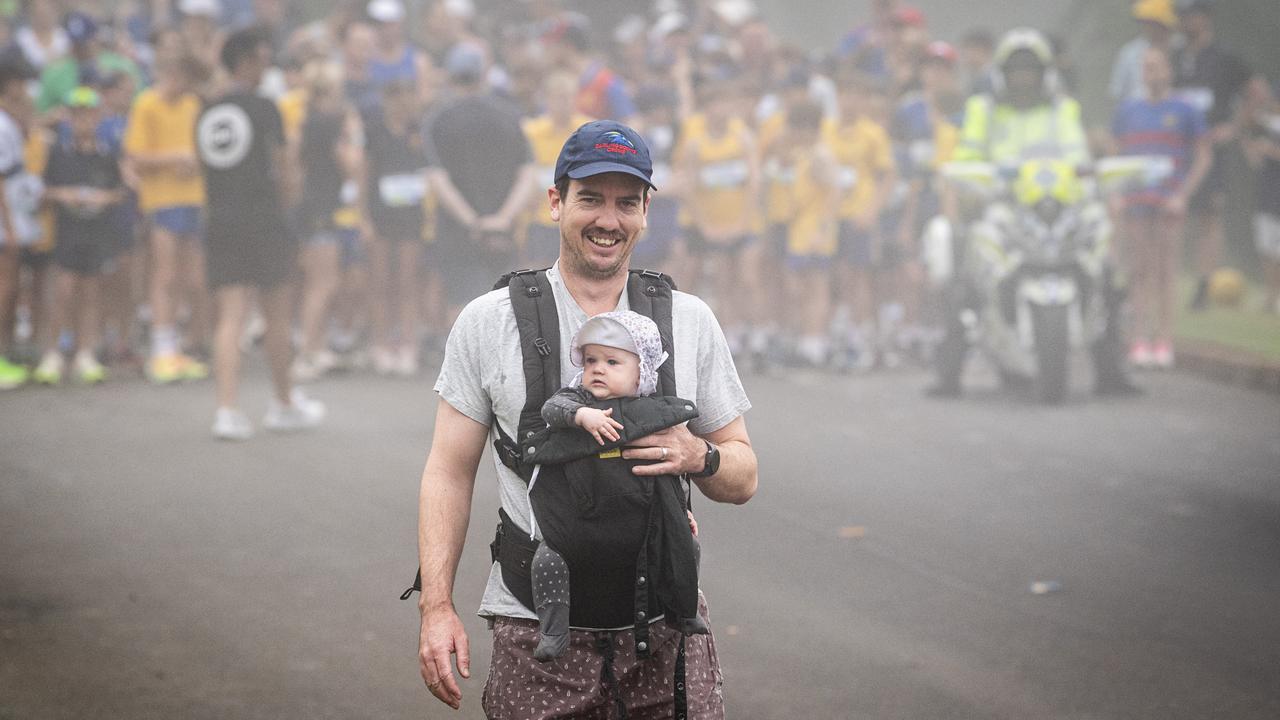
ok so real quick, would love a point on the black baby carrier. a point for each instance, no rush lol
(625, 538)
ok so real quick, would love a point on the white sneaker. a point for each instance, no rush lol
(301, 413)
(253, 331)
(231, 424)
(310, 367)
(50, 369)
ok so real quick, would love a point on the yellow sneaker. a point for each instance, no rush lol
(193, 369)
(165, 369)
(12, 375)
(88, 370)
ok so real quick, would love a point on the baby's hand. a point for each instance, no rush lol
(693, 524)
(599, 423)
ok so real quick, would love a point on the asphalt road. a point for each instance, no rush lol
(884, 570)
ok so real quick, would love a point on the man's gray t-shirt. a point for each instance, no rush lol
(483, 376)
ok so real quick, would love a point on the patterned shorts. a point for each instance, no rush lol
(573, 685)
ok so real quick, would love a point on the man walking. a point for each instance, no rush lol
(600, 201)
(240, 139)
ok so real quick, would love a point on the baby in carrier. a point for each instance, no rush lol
(597, 502)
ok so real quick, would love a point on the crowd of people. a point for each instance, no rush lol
(793, 185)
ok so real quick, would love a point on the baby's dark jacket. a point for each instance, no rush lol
(625, 537)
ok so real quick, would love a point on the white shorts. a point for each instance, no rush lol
(1266, 236)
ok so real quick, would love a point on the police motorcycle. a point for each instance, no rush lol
(1038, 262)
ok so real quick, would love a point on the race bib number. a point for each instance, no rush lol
(847, 177)
(350, 192)
(399, 191)
(779, 173)
(728, 174)
(224, 136)
(922, 153)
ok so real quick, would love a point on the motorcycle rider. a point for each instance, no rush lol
(1025, 117)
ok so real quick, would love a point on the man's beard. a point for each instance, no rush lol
(579, 264)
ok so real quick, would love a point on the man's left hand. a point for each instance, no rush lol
(677, 451)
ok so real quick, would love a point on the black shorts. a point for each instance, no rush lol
(35, 258)
(1213, 187)
(258, 254)
(84, 255)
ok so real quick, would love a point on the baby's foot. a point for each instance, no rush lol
(553, 631)
(550, 647)
(693, 626)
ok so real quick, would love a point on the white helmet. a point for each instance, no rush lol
(1029, 40)
(1024, 39)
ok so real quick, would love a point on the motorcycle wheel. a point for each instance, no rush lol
(1053, 352)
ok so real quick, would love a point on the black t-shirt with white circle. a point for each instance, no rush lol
(235, 137)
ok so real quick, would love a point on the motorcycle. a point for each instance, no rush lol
(1037, 265)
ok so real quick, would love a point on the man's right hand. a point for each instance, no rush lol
(442, 636)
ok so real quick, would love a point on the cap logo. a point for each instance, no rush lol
(615, 142)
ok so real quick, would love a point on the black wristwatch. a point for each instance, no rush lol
(712, 461)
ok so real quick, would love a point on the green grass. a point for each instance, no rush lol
(1245, 327)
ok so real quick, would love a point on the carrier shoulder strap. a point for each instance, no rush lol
(534, 307)
(649, 293)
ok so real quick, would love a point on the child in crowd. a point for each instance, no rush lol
(397, 190)
(159, 141)
(778, 178)
(718, 151)
(546, 133)
(811, 241)
(118, 290)
(867, 174)
(1261, 124)
(619, 353)
(83, 183)
(661, 247)
(18, 225)
(1162, 125)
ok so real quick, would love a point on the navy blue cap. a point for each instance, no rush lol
(604, 146)
(80, 27)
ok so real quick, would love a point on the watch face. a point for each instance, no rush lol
(712, 460)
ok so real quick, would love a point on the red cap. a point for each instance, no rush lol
(939, 50)
(909, 16)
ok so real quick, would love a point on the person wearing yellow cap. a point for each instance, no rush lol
(1158, 21)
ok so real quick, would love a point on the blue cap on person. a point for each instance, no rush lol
(80, 27)
(604, 146)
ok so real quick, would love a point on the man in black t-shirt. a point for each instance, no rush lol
(1211, 79)
(240, 139)
(480, 166)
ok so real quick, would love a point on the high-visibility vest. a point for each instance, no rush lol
(1002, 134)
